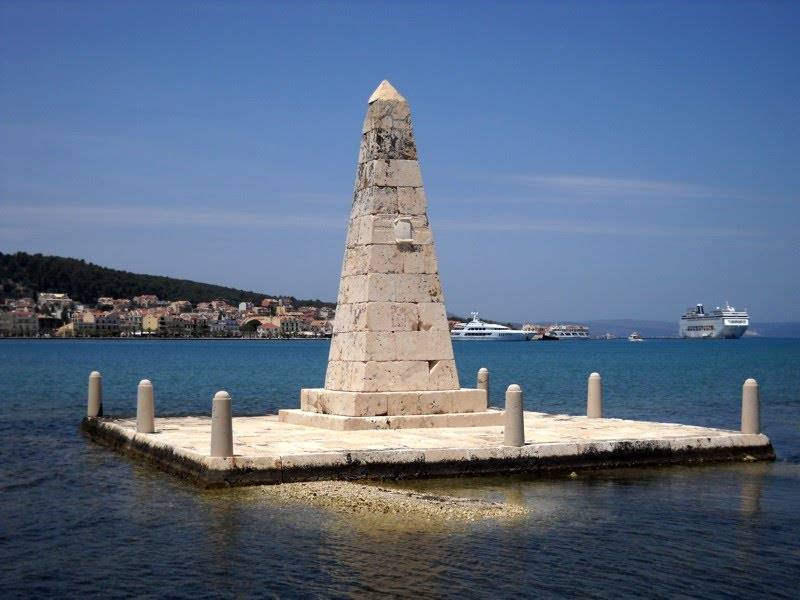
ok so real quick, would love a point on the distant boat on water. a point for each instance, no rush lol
(720, 323)
(567, 332)
(635, 337)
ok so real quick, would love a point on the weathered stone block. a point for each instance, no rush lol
(349, 317)
(363, 404)
(404, 404)
(423, 345)
(411, 201)
(387, 115)
(418, 288)
(423, 235)
(405, 173)
(387, 144)
(375, 200)
(381, 287)
(345, 423)
(376, 316)
(308, 399)
(318, 459)
(420, 259)
(404, 317)
(432, 316)
(467, 400)
(353, 289)
(356, 261)
(384, 258)
(364, 346)
(377, 229)
(345, 375)
(390, 287)
(396, 376)
(442, 375)
(435, 403)
(356, 404)
(380, 345)
(343, 344)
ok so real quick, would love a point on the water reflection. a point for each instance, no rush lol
(751, 485)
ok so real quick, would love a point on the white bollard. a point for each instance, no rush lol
(514, 431)
(145, 408)
(483, 382)
(94, 406)
(751, 417)
(594, 397)
(221, 425)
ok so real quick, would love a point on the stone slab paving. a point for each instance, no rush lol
(270, 451)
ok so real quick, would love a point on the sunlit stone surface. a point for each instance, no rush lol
(268, 450)
(391, 353)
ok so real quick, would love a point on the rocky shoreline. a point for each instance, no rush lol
(370, 499)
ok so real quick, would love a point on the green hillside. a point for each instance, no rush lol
(25, 275)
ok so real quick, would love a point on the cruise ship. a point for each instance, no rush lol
(720, 323)
(480, 330)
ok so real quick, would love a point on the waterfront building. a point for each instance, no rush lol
(160, 323)
(267, 330)
(180, 306)
(56, 304)
(146, 300)
(83, 323)
(106, 324)
(225, 328)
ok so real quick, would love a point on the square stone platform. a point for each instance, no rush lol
(269, 451)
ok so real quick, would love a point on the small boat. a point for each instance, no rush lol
(635, 337)
(480, 330)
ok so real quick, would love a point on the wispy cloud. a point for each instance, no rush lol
(43, 216)
(156, 216)
(576, 227)
(617, 186)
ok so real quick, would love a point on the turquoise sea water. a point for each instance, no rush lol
(76, 519)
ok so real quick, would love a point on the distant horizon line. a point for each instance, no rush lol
(608, 320)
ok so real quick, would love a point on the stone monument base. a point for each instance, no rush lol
(379, 404)
(333, 409)
(485, 418)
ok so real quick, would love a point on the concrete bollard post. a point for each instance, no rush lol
(594, 397)
(145, 407)
(94, 406)
(221, 425)
(483, 382)
(514, 431)
(751, 417)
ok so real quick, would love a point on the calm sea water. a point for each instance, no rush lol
(77, 520)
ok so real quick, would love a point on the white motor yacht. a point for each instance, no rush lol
(480, 330)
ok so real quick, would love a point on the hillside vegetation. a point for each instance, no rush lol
(23, 275)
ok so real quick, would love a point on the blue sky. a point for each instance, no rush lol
(581, 160)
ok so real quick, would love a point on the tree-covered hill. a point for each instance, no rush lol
(23, 274)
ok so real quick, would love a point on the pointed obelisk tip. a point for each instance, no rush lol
(385, 91)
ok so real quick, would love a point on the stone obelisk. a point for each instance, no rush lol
(391, 355)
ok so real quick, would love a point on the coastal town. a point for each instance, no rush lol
(57, 315)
